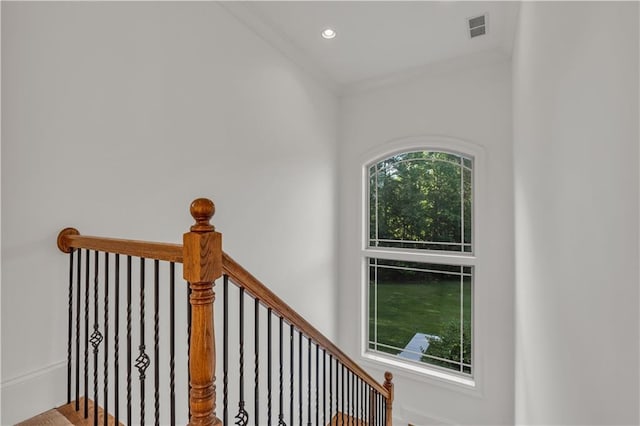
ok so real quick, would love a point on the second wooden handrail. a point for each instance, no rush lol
(70, 238)
(251, 284)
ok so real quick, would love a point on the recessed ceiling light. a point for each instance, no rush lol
(328, 33)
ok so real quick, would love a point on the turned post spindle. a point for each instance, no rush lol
(388, 385)
(202, 266)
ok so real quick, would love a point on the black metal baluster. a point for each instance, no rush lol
(106, 338)
(225, 350)
(269, 366)
(309, 385)
(291, 370)
(367, 402)
(172, 341)
(116, 343)
(129, 340)
(86, 336)
(342, 393)
(330, 387)
(300, 378)
(317, 383)
(96, 339)
(79, 279)
(142, 362)
(384, 412)
(324, 387)
(281, 414)
(337, 390)
(362, 401)
(189, 344)
(309, 382)
(70, 336)
(349, 413)
(256, 371)
(352, 396)
(242, 417)
(156, 340)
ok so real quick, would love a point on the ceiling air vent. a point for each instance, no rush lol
(478, 26)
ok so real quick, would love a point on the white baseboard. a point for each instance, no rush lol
(33, 393)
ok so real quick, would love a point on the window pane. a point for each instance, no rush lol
(416, 311)
(421, 200)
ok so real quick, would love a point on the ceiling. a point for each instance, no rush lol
(376, 39)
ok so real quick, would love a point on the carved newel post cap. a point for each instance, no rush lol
(388, 377)
(202, 210)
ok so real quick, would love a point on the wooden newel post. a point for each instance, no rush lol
(388, 385)
(202, 266)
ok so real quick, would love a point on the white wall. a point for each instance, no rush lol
(468, 99)
(115, 116)
(576, 205)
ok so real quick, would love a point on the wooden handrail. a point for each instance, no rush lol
(70, 238)
(251, 284)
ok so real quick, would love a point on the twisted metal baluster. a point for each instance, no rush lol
(96, 339)
(225, 350)
(300, 404)
(281, 413)
(324, 387)
(292, 365)
(256, 371)
(242, 417)
(317, 383)
(142, 362)
(129, 340)
(86, 336)
(116, 346)
(156, 340)
(70, 336)
(330, 386)
(79, 279)
(106, 338)
(269, 366)
(172, 341)
(309, 382)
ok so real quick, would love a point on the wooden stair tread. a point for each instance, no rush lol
(67, 415)
(52, 417)
(344, 419)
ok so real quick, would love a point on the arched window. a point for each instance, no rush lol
(420, 259)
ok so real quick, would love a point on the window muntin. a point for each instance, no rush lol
(421, 200)
(420, 203)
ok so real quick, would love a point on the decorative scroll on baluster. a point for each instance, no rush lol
(202, 266)
(142, 362)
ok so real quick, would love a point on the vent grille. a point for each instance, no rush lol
(477, 26)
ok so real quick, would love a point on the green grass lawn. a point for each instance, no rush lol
(408, 308)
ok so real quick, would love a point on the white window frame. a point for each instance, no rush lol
(424, 371)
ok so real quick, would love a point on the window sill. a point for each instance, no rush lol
(467, 385)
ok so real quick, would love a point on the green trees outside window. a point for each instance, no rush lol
(421, 202)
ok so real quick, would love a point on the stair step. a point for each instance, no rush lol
(344, 419)
(67, 415)
(52, 417)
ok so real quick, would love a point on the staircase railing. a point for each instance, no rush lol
(320, 384)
